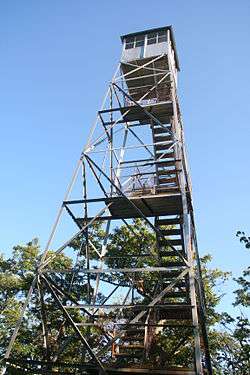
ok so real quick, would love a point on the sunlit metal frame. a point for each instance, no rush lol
(111, 185)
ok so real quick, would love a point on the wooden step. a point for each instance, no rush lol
(176, 294)
(168, 189)
(173, 221)
(164, 155)
(133, 338)
(161, 130)
(134, 330)
(178, 242)
(164, 163)
(165, 146)
(128, 355)
(171, 253)
(173, 263)
(183, 287)
(166, 172)
(170, 274)
(182, 312)
(171, 232)
(131, 346)
(180, 284)
(167, 180)
(162, 138)
(176, 371)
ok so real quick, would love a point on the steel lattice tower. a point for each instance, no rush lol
(139, 310)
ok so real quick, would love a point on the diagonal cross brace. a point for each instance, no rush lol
(151, 304)
(144, 110)
(156, 230)
(18, 324)
(58, 251)
(74, 326)
(160, 296)
(137, 68)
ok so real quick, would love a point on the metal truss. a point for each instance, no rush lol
(132, 168)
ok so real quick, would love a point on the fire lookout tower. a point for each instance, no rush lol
(132, 299)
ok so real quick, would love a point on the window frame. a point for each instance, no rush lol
(157, 37)
(162, 35)
(130, 42)
(140, 39)
(151, 37)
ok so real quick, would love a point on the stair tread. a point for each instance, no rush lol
(171, 232)
(165, 155)
(167, 180)
(161, 130)
(166, 254)
(162, 164)
(131, 346)
(176, 294)
(180, 284)
(166, 172)
(160, 222)
(172, 241)
(162, 138)
(174, 264)
(137, 330)
(163, 146)
(168, 189)
(127, 355)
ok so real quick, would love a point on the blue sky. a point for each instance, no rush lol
(56, 60)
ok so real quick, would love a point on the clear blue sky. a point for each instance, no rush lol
(56, 59)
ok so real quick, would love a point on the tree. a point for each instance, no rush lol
(232, 338)
(228, 336)
(243, 292)
(16, 275)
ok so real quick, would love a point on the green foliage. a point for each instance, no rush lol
(228, 336)
(243, 292)
(123, 250)
(230, 344)
(212, 279)
(16, 275)
(232, 347)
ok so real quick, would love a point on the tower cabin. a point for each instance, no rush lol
(149, 43)
(155, 50)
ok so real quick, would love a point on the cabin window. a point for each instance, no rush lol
(162, 36)
(139, 40)
(135, 41)
(159, 37)
(130, 43)
(152, 38)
